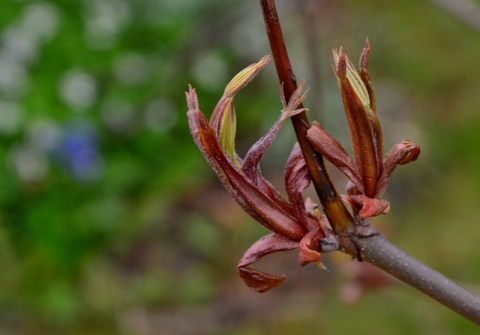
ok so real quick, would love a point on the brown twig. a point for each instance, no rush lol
(334, 208)
(370, 246)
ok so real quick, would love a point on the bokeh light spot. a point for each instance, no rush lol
(78, 89)
(160, 115)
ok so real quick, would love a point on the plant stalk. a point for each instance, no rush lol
(333, 206)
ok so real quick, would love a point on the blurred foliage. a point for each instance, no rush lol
(111, 221)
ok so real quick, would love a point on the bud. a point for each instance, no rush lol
(362, 121)
(224, 118)
(291, 225)
(369, 172)
(344, 69)
(245, 76)
(228, 128)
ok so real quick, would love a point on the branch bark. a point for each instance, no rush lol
(331, 202)
(360, 241)
(380, 252)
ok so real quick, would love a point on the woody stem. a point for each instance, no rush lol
(380, 252)
(338, 215)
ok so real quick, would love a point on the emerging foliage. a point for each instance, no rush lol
(293, 223)
(296, 223)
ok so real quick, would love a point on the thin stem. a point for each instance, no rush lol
(342, 221)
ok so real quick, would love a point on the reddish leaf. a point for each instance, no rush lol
(329, 147)
(258, 280)
(255, 153)
(253, 201)
(369, 207)
(297, 180)
(309, 247)
(401, 153)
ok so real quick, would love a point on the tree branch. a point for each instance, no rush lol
(360, 241)
(382, 253)
(331, 202)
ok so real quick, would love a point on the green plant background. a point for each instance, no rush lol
(111, 222)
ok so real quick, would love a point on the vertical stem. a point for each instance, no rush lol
(337, 213)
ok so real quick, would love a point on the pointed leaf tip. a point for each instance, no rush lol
(245, 76)
(365, 56)
(291, 108)
(192, 100)
(259, 281)
(341, 66)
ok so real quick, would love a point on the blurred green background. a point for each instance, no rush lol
(111, 221)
